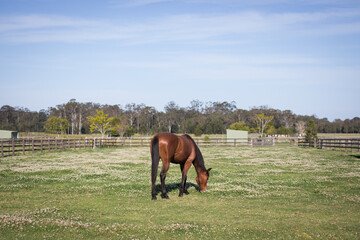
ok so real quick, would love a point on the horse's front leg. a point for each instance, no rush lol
(162, 177)
(183, 188)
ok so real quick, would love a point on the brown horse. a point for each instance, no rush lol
(180, 150)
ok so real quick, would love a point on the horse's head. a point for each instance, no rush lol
(202, 179)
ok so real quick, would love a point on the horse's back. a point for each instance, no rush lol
(174, 148)
(168, 139)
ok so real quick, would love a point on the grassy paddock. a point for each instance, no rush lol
(254, 193)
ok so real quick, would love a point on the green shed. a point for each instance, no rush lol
(240, 136)
(8, 134)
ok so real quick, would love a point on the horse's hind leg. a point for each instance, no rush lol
(165, 168)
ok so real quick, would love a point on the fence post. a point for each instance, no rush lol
(13, 146)
(321, 143)
(32, 144)
(41, 144)
(235, 142)
(345, 145)
(23, 146)
(2, 149)
(56, 147)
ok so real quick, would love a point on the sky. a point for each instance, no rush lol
(298, 55)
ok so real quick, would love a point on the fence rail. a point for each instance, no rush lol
(333, 143)
(9, 147)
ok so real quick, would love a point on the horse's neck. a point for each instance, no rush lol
(197, 166)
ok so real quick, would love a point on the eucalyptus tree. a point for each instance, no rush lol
(172, 116)
(147, 119)
(130, 112)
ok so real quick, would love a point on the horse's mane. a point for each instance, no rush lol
(199, 158)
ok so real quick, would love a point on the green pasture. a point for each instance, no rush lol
(253, 193)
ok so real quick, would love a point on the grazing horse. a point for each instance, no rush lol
(180, 150)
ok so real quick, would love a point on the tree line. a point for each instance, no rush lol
(198, 118)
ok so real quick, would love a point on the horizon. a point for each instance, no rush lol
(302, 56)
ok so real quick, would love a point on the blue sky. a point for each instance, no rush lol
(302, 55)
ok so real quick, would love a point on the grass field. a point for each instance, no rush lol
(253, 193)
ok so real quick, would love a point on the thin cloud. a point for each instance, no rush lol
(13, 23)
(178, 28)
(135, 3)
(141, 3)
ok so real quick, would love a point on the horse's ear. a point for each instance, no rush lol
(209, 170)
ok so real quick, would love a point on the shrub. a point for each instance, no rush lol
(311, 132)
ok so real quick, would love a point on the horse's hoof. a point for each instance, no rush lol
(154, 198)
(186, 192)
(164, 196)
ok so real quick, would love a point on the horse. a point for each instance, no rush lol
(179, 150)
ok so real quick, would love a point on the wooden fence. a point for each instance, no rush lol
(14, 146)
(9, 147)
(333, 143)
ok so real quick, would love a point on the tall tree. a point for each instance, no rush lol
(287, 118)
(196, 106)
(262, 121)
(100, 122)
(8, 118)
(130, 111)
(72, 107)
(346, 126)
(146, 120)
(171, 111)
(300, 127)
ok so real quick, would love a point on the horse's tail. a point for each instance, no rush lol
(155, 158)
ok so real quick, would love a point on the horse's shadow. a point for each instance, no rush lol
(175, 186)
